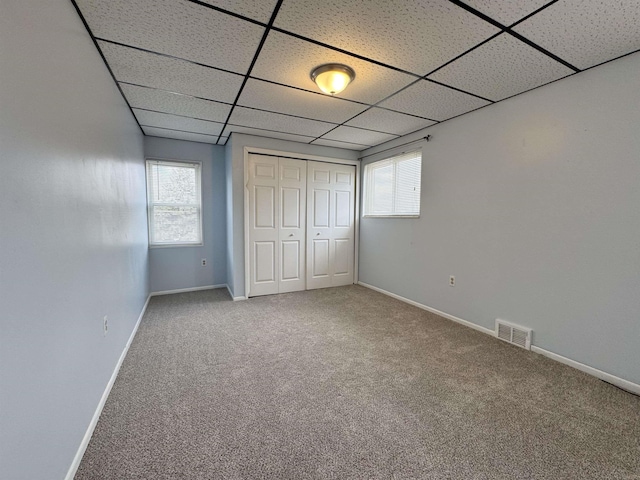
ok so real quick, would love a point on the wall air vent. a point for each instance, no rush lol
(514, 334)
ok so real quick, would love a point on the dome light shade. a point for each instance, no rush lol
(332, 78)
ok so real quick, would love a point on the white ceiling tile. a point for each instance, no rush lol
(507, 13)
(291, 101)
(143, 68)
(586, 32)
(388, 121)
(357, 135)
(415, 36)
(248, 117)
(164, 120)
(289, 60)
(427, 99)
(168, 102)
(501, 68)
(267, 133)
(176, 27)
(192, 137)
(259, 10)
(334, 143)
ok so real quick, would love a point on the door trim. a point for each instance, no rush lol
(298, 156)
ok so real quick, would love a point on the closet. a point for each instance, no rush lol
(301, 228)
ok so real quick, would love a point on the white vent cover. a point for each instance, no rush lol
(513, 334)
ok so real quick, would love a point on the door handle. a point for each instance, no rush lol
(291, 234)
(317, 234)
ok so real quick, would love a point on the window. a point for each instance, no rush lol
(174, 203)
(392, 186)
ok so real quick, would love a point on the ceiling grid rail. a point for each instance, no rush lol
(106, 64)
(476, 54)
(253, 62)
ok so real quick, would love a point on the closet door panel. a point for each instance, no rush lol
(331, 232)
(293, 222)
(342, 257)
(265, 266)
(319, 207)
(320, 256)
(264, 217)
(291, 267)
(264, 206)
(343, 224)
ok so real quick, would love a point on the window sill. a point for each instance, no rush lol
(174, 245)
(391, 216)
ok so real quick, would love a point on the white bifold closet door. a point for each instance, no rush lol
(277, 224)
(301, 224)
(330, 224)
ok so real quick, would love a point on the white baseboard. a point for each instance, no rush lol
(96, 415)
(235, 299)
(607, 377)
(466, 323)
(184, 290)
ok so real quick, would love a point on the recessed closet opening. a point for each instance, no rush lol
(301, 222)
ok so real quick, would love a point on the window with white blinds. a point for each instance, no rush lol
(392, 186)
(174, 203)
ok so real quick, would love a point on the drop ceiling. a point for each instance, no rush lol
(200, 70)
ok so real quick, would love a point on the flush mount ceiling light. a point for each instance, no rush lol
(332, 78)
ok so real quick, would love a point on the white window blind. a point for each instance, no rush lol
(392, 186)
(174, 203)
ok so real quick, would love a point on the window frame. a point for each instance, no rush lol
(150, 204)
(367, 186)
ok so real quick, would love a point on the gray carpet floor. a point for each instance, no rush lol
(346, 383)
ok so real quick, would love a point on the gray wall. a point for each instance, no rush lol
(533, 204)
(173, 268)
(73, 237)
(235, 192)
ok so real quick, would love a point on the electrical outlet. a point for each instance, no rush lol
(105, 325)
(452, 281)
(204, 262)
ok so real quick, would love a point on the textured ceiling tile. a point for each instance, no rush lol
(426, 99)
(501, 68)
(289, 60)
(176, 27)
(586, 32)
(164, 120)
(167, 102)
(415, 36)
(334, 143)
(357, 135)
(260, 10)
(192, 137)
(267, 133)
(507, 13)
(248, 117)
(142, 68)
(388, 121)
(290, 101)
